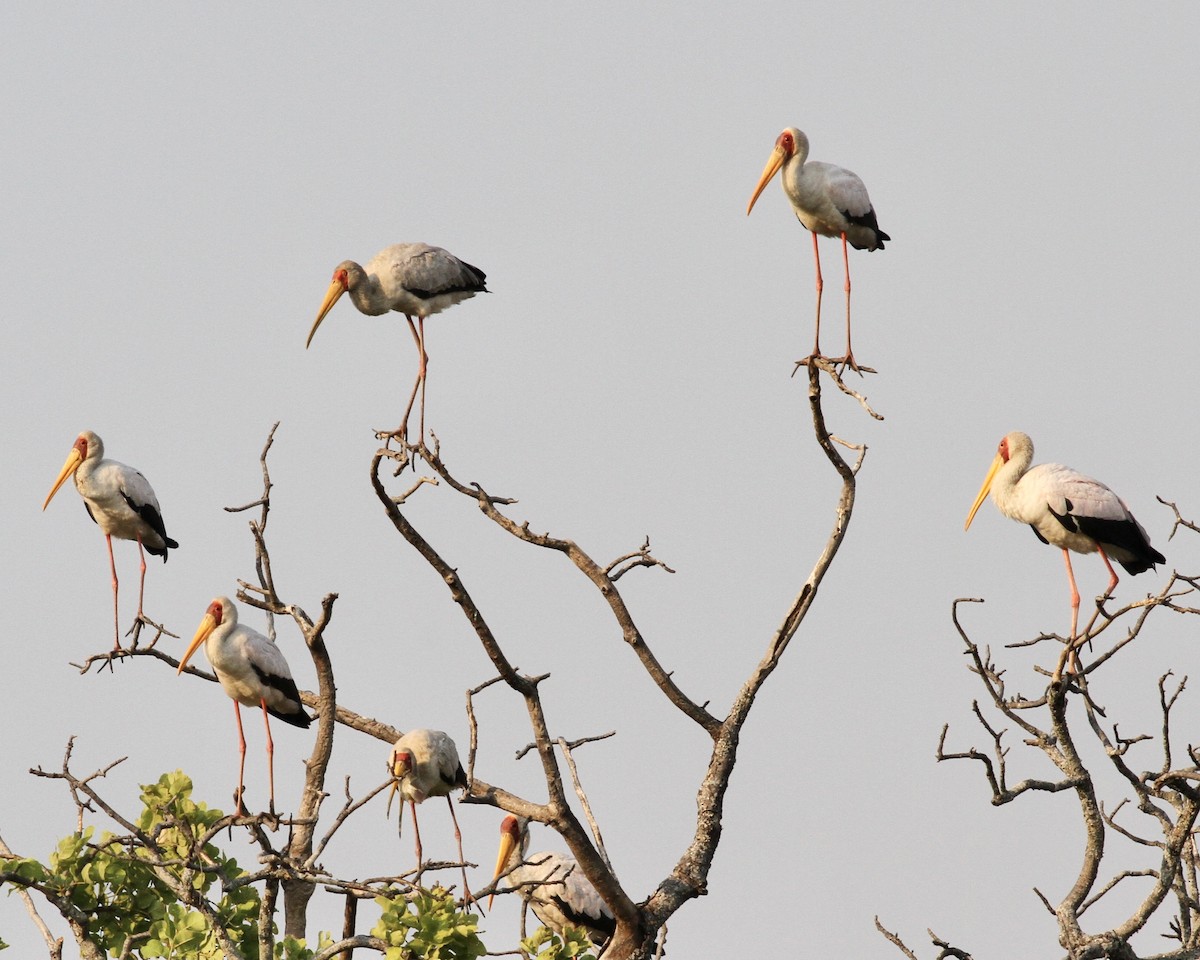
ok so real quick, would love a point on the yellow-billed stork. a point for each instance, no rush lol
(415, 279)
(251, 671)
(1065, 509)
(424, 763)
(552, 884)
(122, 504)
(828, 200)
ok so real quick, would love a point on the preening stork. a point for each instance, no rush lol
(122, 504)
(829, 200)
(424, 763)
(1068, 510)
(253, 672)
(414, 279)
(552, 884)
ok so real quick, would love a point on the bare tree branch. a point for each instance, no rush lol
(54, 944)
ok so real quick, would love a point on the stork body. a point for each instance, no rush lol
(121, 502)
(1067, 510)
(424, 763)
(553, 884)
(252, 672)
(828, 200)
(415, 279)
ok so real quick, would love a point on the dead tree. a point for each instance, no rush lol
(293, 867)
(1160, 775)
(639, 922)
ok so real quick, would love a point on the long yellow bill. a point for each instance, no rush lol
(983, 491)
(507, 842)
(207, 625)
(74, 459)
(772, 168)
(399, 769)
(336, 289)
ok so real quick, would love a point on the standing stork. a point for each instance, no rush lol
(122, 504)
(1068, 510)
(829, 200)
(253, 672)
(552, 884)
(414, 279)
(424, 763)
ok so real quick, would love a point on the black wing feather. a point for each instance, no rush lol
(600, 928)
(1122, 539)
(286, 686)
(154, 521)
(871, 222)
(459, 779)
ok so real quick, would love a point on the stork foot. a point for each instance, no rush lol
(117, 653)
(135, 631)
(849, 361)
(400, 434)
(813, 359)
(1068, 661)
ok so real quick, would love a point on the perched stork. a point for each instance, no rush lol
(1068, 510)
(253, 672)
(828, 200)
(414, 279)
(121, 502)
(552, 884)
(424, 763)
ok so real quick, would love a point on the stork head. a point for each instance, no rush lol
(337, 286)
(220, 611)
(1013, 444)
(400, 764)
(787, 145)
(87, 446)
(513, 830)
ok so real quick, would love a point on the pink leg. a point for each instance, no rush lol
(142, 582)
(1112, 583)
(112, 566)
(846, 263)
(270, 753)
(424, 368)
(467, 895)
(237, 712)
(820, 286)
(1074, 594)
(402, 430)
(1072, 643)
(416, 831)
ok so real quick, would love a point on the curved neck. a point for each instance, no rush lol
(367, 294)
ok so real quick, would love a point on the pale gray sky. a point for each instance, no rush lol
(179, 184)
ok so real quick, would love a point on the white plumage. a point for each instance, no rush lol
(252, 671)
(1066, 509)
(828, 200)
(415, 279)
(121, 502)
(553, 884)
(424, 763)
